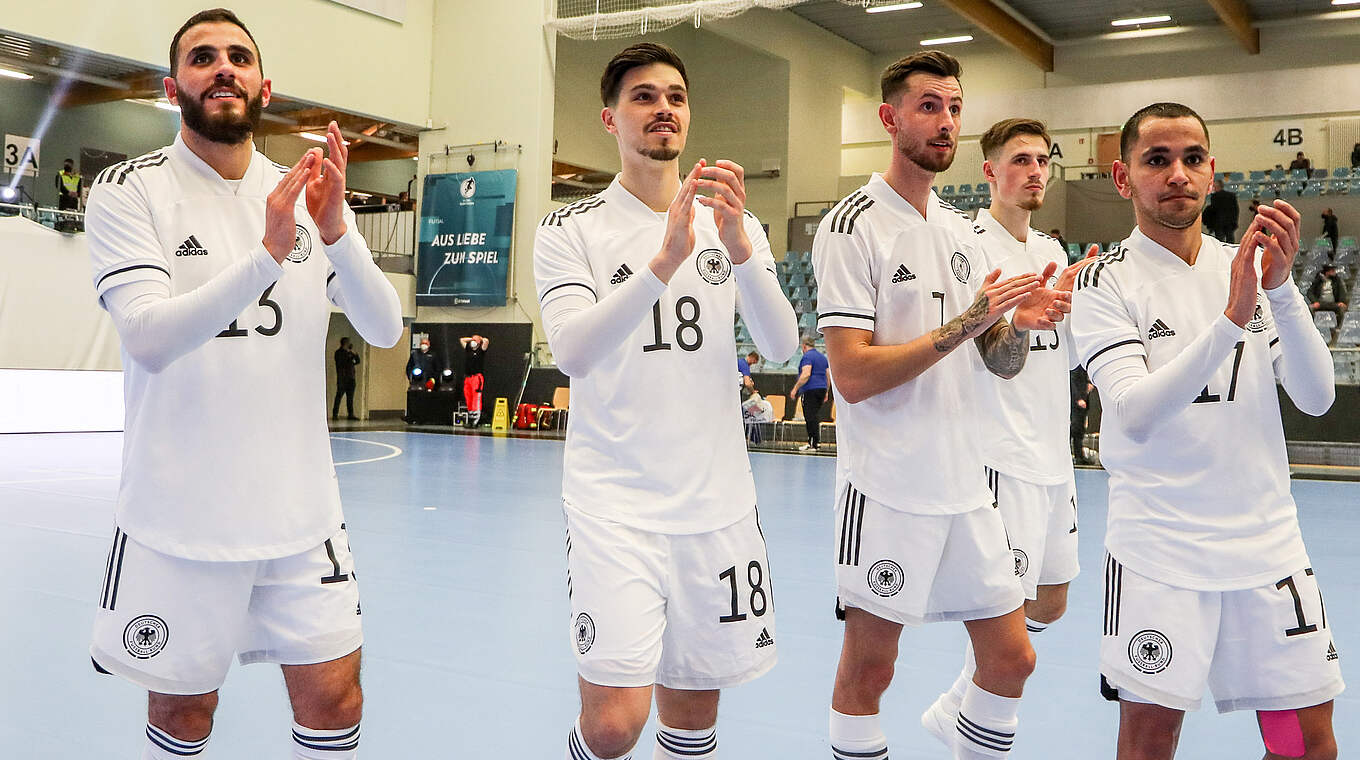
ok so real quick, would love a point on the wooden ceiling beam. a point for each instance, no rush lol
(1237, 17)
(994, 20)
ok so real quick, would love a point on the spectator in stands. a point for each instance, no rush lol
(1301, 162)
(345, 361)
(1057, 234)
(1328, 293)
(68, 187)
(1081, 396)
(1330, 230)
(420, 368)
(1255, 204)
(1355, 156)
(812, 383)
(1220, 213)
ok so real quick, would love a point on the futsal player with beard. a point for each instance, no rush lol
(1029, 469)
(1207, 579)
(903, 282)
(670, 587)
(219, 269)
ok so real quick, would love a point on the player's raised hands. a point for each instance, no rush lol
(1044, 308)
(280, 227)
(996, 297)
(1278, 237)
(725, 182)
(1243, 281)
(326, 187)
(1069, 275)
(678, 243)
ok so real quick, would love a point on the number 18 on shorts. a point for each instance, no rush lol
(684, 611)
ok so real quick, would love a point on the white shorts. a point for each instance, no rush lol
(1266, 648)
(171, 625)
(684, 611)
(1041, 526)
(915, 569)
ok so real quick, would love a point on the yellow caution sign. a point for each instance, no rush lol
(500, 420)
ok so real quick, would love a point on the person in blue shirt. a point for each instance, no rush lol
(744, 365)
(812, 383)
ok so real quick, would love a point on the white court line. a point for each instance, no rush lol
(56, 480)
(395, 451)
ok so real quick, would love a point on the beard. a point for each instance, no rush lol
(925, 157)
(660, 154)
(1175, 220)
(1032, 203)
(225, 128)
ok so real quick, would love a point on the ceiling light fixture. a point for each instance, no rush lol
(314, 137)
(901, 7)
(1345, 2)
(166, 105)
(947, 40)
(1141, 20)
(12, 74)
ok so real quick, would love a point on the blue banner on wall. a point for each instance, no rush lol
(467, 221)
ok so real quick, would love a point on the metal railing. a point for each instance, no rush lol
(58, 219)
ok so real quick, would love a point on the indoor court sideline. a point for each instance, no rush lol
(459, 549)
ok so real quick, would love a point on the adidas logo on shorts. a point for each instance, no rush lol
(191, 247)
(1332, 656)
(764, 639)
(1160, 329)
(902, 274)
(621, 276)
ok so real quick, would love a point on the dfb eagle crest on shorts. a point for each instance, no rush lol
(714, 266)
(1021, 563)
(302, 245)
(1150, 651)
(585, 633)
(146, 636)
(886, 578)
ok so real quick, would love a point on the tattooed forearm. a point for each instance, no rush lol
(1004, 349)
(955, 331)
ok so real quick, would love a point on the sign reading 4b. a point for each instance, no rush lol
(1286, 138)
(21, 155)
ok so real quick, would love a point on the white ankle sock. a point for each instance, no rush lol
(160, 745)
(986, 725)
(325, 744)
(684, 744)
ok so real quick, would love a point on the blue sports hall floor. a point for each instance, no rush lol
(459, 547)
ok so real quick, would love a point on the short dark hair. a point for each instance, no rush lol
(210, 16)
(631, 57)
(1002, 132)
(894, 78)
(343, 341)
(1129, 134)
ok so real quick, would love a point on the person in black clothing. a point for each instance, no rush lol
(1328, 293)
(420, 368)
(1355, 156)
(1081, 395)
(1330, 229)
(474, 357)
(1220, 213)
(345, 361)
(1301, 162)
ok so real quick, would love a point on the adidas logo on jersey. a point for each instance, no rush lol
(621, 276)
(902, 274)
(191, 247)
(1160, 329)
(764, 639)
(1332, 656)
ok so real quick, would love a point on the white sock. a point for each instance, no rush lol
(679, 743)
(954, 697)
(325, 744)
(857, 737)
(160, 745)
(986, 725)
(1034, 626)
(577, 749)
